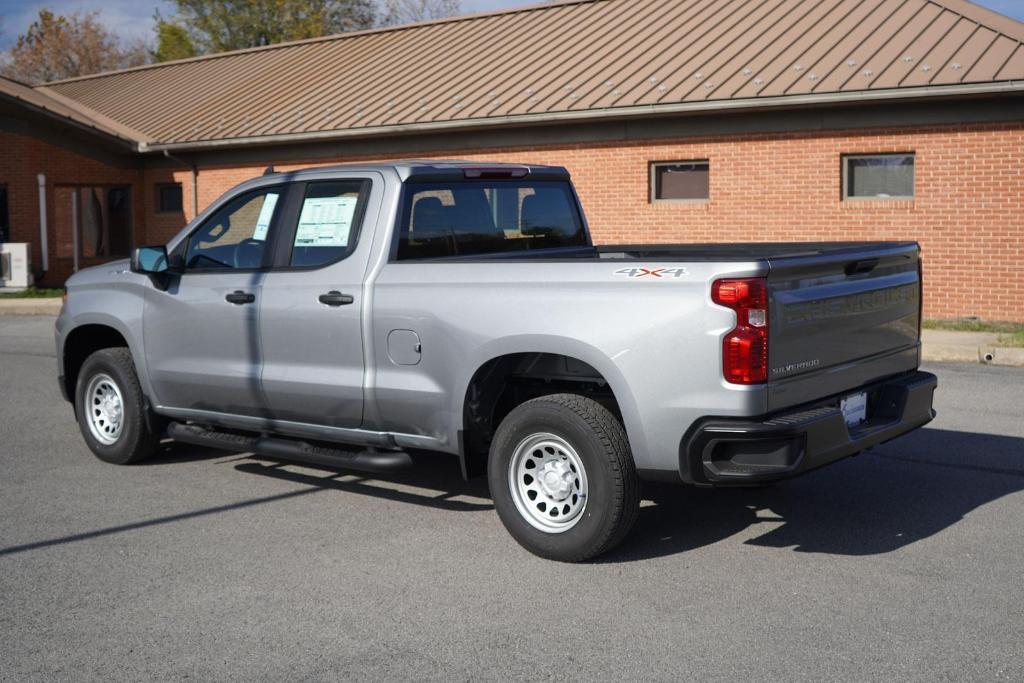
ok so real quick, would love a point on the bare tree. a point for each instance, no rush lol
(408, 11)
(57, 46)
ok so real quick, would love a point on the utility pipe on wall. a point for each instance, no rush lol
(44, 250)
(74, 228)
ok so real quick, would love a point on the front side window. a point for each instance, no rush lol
(476, 218)
(236, 235)
(681, 181)
(878, 176)
(328, 222)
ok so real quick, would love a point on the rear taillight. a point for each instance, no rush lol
(745, 348)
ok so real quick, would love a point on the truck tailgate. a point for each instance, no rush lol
(840, 319)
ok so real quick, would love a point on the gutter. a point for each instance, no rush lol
(746, 104)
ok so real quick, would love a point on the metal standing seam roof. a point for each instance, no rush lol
(60, 108)
(567, 60)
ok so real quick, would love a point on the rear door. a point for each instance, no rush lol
(840, 319)
(312, 300)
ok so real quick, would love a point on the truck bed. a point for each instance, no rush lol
(740, 251)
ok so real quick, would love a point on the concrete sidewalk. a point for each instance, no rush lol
(41, 306)
(943, 346)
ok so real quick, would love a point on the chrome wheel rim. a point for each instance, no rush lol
(548, 483)
(104, 409)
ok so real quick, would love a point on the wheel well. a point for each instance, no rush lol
(81, 343)
(503, 383)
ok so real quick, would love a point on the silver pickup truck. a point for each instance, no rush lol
(352, 315)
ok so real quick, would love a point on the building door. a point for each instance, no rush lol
(93, 223)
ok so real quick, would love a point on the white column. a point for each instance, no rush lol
(44, 250)
(74, 228)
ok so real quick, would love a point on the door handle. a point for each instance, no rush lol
(238, 297)
(335, 298)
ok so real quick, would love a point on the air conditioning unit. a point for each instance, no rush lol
(15, 265)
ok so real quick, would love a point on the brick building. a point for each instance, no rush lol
(682, 121)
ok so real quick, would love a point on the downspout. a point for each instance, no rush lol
(44, 249)
(195, 180)
(75, 239)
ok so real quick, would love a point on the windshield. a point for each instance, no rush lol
(473, 218)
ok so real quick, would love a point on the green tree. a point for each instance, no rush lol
(407, 11)
(172, 41)
(221, 25)
(57, 46)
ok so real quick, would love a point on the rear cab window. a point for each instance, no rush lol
(486, 217)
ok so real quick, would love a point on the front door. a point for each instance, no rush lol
(311, 332)
(202, 335)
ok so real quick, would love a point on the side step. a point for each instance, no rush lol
(291, 449)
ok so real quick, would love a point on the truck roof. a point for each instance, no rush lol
(429, 170)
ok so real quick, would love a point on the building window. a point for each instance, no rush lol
(681, 181)
(878, 176)
(168, 198)
(4, 219)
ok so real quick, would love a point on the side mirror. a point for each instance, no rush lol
(150, 260)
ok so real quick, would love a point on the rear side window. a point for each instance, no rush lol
(328, 222)
(475, 218)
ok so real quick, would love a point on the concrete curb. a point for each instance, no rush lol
(48, 306)
(947, 346)
(986, 355)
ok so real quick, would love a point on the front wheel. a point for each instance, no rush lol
(110, 408)
(562, 477)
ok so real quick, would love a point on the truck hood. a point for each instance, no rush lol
(111, 272)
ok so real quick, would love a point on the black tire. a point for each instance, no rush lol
(134, 442)
(599, 440)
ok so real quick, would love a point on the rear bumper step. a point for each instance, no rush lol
(721, 451)
(291, 449)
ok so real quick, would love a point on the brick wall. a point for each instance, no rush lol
(968, 212)
(22, 159)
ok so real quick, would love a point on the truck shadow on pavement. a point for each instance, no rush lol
(898, 494)
(435, 481)
(878, 502)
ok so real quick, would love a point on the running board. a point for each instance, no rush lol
(369, 460)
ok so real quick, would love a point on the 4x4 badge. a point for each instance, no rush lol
(652, 272)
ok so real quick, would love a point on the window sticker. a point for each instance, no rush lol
(266, 215)
(326, 221)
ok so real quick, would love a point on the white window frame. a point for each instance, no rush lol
(845, 180)
(653, 181)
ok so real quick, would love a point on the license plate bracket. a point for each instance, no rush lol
(854, 408)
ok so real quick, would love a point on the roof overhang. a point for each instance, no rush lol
(616, 113)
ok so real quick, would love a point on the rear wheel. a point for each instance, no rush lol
(110, 408)
(562, 477)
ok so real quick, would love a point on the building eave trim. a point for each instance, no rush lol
(129, 145)
(654, 110)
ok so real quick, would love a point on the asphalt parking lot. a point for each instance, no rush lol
(904, 563)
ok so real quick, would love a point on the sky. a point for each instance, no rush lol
(134, 18)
